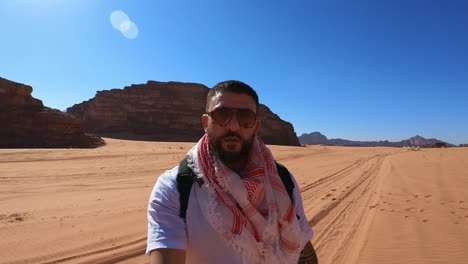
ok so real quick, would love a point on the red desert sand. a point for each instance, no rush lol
(367, 205)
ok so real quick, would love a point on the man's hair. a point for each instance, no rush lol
(233, 87)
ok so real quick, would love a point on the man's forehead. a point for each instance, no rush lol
(216, 98)
(232, 100)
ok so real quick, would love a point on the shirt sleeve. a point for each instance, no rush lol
(166, 229)
(300, 210)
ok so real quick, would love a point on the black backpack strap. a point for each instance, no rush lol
(286, 179)
(185, 178)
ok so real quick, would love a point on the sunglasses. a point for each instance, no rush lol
(222, 116)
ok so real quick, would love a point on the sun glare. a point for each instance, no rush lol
(121, 22)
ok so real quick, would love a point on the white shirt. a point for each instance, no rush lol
(166, 229)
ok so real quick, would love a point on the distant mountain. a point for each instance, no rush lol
(316, 138)
(420, 141)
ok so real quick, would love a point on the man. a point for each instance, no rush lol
(238, 210)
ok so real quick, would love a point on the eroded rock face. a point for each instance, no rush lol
(164, 111)
(26, 123)
(274, 130)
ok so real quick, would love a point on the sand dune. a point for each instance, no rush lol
(367, 205)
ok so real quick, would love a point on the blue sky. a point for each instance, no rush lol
(359, 70)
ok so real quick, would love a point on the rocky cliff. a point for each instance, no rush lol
(164, 111)
(26, 123)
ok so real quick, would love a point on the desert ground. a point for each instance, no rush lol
(366, 205)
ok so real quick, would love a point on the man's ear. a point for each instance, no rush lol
(204, 120)
(257, 126)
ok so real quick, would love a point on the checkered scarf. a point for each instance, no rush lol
(253, 214)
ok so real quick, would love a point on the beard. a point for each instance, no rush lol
(229, 157)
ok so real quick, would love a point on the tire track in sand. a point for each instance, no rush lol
(338, 217)
(328, 186)
(114, 254)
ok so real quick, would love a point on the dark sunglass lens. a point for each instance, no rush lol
(246, 118)
(221, 116)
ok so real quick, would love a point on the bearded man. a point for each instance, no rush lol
(239, 210)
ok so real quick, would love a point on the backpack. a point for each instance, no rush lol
(185, 179)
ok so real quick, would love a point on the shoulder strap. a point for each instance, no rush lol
(286, 179)
(185, 179)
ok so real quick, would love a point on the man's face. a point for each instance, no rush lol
(232, 141)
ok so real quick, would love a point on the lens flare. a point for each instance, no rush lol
(121, 22)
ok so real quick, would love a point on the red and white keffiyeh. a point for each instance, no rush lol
(253, 214)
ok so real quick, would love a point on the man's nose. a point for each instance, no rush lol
(233, 124)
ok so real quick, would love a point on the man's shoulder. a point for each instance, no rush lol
(168, 178)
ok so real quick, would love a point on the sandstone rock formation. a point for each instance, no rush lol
(314, 138)
(274, 130)
(164, 111)
(26, 123)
